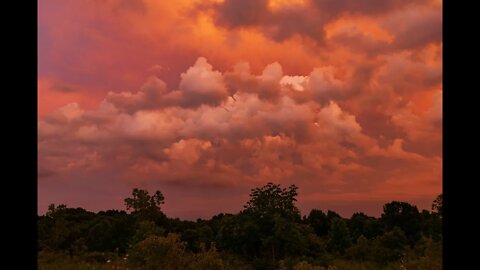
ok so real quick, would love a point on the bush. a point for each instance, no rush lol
(361, 250)
(207, 259)
(158, 252)
(390, 246)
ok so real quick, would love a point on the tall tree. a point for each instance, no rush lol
(273, 211)
(271, 199)
(141, 200)
(146, 206)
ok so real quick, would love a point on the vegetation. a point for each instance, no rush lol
(268, 234)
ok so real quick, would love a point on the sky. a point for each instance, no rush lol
(205, 100)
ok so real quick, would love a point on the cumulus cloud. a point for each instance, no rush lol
(212, 139)
(297, 83)
(323, 84)
(151, 96)
(200, 84)
(342, 98)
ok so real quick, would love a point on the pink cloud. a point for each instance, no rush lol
(203, 101)
(225, 141)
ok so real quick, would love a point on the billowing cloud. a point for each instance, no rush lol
(202, 85)
(150, 96)
(212, 139)
(324, 85)
(207, 99)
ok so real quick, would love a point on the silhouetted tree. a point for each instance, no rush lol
(267, 234)
(271, 217)
(319, 222)
(142, 201)
(405, 216)
(437, 205)
(271, 199)
(361, 224)
(145, 206)
(339, 236)
(240, 234)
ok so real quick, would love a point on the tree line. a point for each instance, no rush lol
(269, 233)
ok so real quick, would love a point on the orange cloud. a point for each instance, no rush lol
(342, 98)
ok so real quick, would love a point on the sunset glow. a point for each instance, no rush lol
(205, 100)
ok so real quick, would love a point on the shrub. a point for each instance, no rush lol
(158, 252)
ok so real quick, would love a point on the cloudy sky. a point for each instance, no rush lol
(205, 100)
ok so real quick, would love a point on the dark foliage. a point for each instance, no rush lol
(267, 234)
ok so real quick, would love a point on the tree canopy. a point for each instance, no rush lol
(267, 234)
(437, 205)
(272, 199)
(142, 201)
